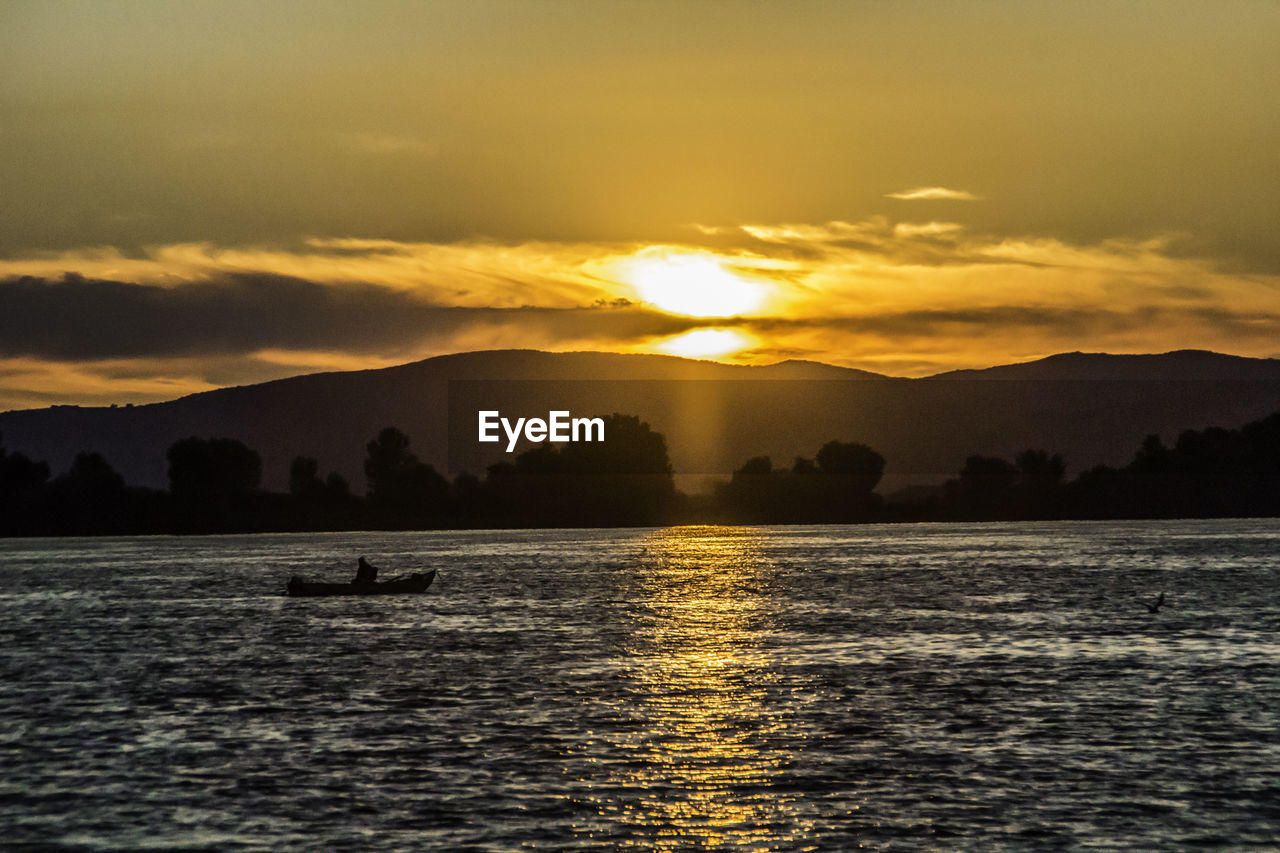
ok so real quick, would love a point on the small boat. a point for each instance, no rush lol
(415, 583)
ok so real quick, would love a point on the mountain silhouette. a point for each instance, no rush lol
(1092, 408)
(1187, 364)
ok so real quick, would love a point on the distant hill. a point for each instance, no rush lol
(331, 416)
(1093, 408)
(1170, 366)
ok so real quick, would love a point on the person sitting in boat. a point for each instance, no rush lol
(366, 572)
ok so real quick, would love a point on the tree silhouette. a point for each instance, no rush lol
(304, 479)
(468, 496)
(623, 480)
(215, 467)
(985, 487)
(403, 492)
(762, 466)
(837, 487)
(802, 466)
(1208, 473)
(90, 498)
(849, 472)
(213, 482)
(1152, 457)
(22, 483)
(336, 488)
(320, 504)
(1039, 492)
(215, 487)
(754, 491)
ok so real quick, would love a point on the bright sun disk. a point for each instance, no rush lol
(693, 285)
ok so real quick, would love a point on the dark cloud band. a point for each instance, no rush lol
(76, 318)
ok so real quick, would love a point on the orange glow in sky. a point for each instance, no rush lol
(255, 195)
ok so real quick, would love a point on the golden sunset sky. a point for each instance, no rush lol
(210, 193)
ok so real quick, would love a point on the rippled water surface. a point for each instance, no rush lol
(968, 687)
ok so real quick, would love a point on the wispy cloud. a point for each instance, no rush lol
(392, 144)
(926, 229)
(933, 193)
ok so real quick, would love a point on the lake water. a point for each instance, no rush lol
(970, 687)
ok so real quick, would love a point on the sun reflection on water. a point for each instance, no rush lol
(705, 757)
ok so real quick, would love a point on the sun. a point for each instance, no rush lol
(695, 285)
(706, 343)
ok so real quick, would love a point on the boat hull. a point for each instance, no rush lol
(415, 583)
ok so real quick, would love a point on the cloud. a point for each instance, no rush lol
(900, 297)
(33, 382)
(1063, 322)
(390, 144)
(933, 194)
(475, 274)
(886, 295)
(926, 229)
(245, 313)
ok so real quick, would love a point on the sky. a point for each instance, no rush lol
(200, 194)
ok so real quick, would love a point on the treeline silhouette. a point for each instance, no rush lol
(1210, 473)
(215, 487)
(835, 486)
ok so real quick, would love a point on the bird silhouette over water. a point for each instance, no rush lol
(1155, 608)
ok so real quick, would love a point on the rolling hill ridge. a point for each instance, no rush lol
(1092, 408)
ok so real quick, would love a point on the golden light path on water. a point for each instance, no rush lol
(703, 770)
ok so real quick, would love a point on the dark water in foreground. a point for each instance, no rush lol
(966, 687)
